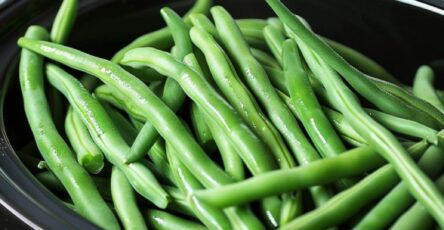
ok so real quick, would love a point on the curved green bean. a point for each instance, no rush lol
(349, 163)
(423, 87)
(88, 154)
(124, 201)
(105, 135)
(64, 21)
(53, 148)
(307, 106)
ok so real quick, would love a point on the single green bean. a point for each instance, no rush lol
(88, 154)
(161, 220)
(399, 199)
(105, 134)
(53, 148)
(423, 87)
(307, 106)
(377, 136)
(417, 216)
(349, 163)
(124, 201)
(361, 83)
(404, 126)
(64, 21)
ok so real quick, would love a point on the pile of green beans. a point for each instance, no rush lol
(227, 123)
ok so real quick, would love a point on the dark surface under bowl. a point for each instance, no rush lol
(397, 35)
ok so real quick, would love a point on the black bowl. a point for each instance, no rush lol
(401, 35)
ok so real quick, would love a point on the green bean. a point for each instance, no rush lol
(88, 154)
(274, 38)
(306, 104)
(349, 163)
(377, 136)
(264, 58)
(399, 199)
(105, 135)
(361, 83)
(213, 218)
(157, 155)
(423, 87)
(361, 62)
(53, 148)
(417, 216)
(63, 22)
(173, 94)
(124, 201)
(404, 126)
(161, 220)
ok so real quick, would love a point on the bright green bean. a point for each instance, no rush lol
(350, 163)
(63, 22)
(343, 126)
(124, 127)
(404, 126)
(53, 148)
(124, 201)
(88, 154)
(361, 83)
(307, 106)
(377, 136)
(423, 87)
(399, 199)
(105, 135)
(161, 220)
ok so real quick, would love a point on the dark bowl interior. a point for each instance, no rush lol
(399, 36)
